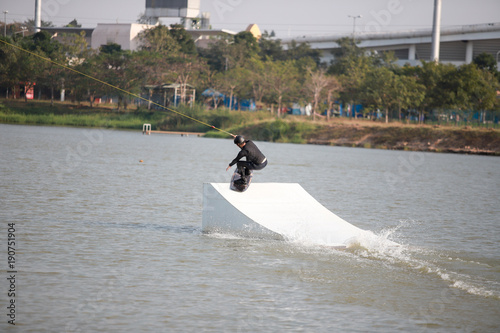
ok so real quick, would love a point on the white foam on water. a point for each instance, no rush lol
(381, 247)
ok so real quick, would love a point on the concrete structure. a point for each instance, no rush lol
(436, 31)
(186, 9)
(124, 34)
(458, 45)
(38, 15)
(277, 211)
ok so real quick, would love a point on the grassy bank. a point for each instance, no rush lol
(261, 126)
(61, 114)
(81, 115)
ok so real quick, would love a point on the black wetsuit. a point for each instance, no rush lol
(255, 160)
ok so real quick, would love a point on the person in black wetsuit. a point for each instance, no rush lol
(255, 160)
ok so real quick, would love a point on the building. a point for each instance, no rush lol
(254, 30)
(458, 45)
(204, 37)
(64, 34)
(126, 35)
(123, 34)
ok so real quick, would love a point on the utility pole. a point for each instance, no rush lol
(436, 31)
(38, 15)
(5, 23)
(354, 24)
(353, 109)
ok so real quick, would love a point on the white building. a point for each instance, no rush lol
(458, 45)
(123, 34)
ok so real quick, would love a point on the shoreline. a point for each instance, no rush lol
(360, 133)
(366, 143)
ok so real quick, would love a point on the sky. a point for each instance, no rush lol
(287, 18)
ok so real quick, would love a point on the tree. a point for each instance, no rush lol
(111, 48)
(184, 69)
(487, 62)
(143, 19)
(352, 65)
(300, 51)
(332, 89)
(73, 24)
(408, 93)
(120, 70)
(183, 38)
(159, 39)
(248, 42)
(9, 58)
(344, 56)
(315, 84)
(216, 54)
(33, 69)
(437, 91)
(379, 89)
(475, 89)
(270, 48)
(256, 76)
(29, 69)
(281, 79)
(30, 24)
(230, 80)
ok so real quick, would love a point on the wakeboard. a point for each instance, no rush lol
(239, 187)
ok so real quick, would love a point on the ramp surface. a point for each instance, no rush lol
(274, 210)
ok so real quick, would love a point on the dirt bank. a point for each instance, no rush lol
(409, 137)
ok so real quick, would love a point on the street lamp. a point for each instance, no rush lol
(5, 23)
(23, 29)
(354, 23)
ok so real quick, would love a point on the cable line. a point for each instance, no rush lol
(115, 87)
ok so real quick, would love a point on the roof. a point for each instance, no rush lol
(166, 86)
(68, 30)
(254, 30)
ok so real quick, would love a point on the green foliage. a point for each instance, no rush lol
(487, 62)
(274, 131)
(159, 40)
(36, 114)
(220, 118)
(270, 48)
(301, 51)
(242, 66)
(110, 48)
(73, 24)
(183, 38)
(248, 42)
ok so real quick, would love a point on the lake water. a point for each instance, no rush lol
(105, 242)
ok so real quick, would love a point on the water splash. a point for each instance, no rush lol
(380, 246)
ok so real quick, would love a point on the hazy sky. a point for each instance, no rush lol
(285, 17)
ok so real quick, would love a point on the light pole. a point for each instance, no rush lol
(354, 23)
(5, 23)
(23, 29)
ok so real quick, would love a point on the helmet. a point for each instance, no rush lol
(239, 139)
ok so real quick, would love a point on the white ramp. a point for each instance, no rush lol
(274, 210)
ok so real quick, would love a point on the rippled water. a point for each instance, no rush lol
(107, 243)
